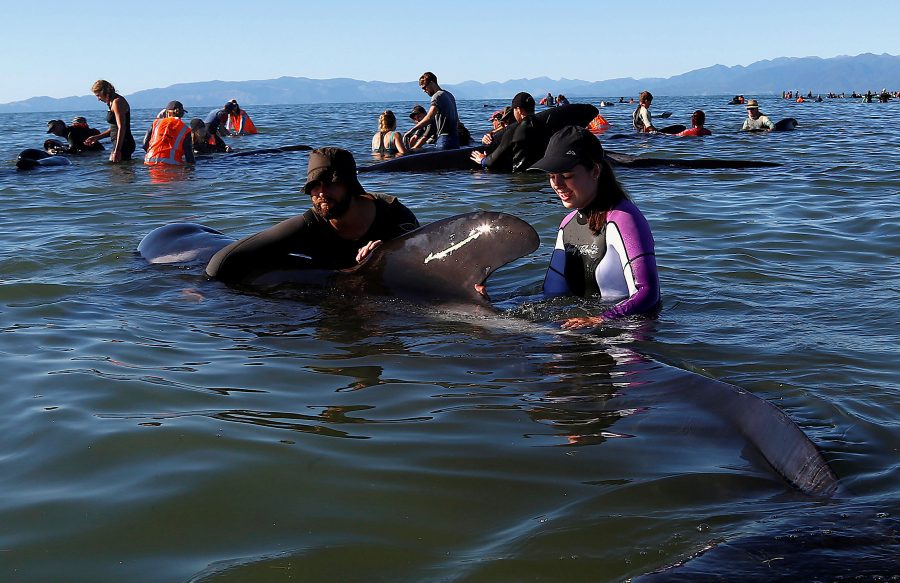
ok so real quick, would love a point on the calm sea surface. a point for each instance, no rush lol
(157, 426)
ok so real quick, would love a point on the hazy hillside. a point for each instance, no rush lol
(860, 73)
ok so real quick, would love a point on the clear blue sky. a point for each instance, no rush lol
(60, 48)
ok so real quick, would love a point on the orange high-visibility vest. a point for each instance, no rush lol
(598, 123)
(240, 123)
(166, 141)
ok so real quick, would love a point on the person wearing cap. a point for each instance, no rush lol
(427, 134)
(343, 226)
(204, 143)
(119, 120)
(641, 119)
(168, 141)
(755, 120)
(604, 246)
(75, 134)
(442, 111)
(239, 122)
(521, 144)
(500, 120)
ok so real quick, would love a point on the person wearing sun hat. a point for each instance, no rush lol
(343, 226)
(756, 121)
(604, 246)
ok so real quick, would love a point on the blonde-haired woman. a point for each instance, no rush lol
(119, 119)
(388, 140)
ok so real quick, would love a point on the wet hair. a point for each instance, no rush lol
(426, 78)
(698, 118)
(237, 108)
(645, 96)
(103, 87)
(609, 193)
(387, 122)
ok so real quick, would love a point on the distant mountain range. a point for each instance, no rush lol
(860, 73)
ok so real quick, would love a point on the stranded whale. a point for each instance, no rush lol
(446, 259)
(440, 261)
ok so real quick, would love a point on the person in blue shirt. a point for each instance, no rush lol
(216, 119)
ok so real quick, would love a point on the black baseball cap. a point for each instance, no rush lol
(417, 110)
(568, 147)
(176, 107)
(524, 100)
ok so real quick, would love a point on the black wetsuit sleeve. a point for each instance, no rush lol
(501, 158)
(74, 145)
(265, 251)
(147, 138)
(220, 144)
(189, 149)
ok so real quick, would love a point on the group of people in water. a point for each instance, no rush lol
(168, 141)
(882, 96)
(604, 246)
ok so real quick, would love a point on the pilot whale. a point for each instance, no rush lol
(440, 261)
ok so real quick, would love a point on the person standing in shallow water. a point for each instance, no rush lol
(119, 119)
(604, 246)
(641, 119)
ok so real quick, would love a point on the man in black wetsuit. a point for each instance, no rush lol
(522, 143)
(75, 134)
(343, 226)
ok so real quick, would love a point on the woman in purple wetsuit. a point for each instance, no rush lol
(604, 245)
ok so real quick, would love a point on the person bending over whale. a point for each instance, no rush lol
(168, 141)
(203, 142)
(604, 245)
(442, 111)
(75, 134)
(343, 226)
(521, 144)
(119, 119)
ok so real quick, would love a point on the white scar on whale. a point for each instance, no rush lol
(474, 234)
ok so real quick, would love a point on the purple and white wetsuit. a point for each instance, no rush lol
(617, 263)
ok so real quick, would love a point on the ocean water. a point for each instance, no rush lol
(157, 426)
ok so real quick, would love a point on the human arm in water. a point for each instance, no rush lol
(628, 265)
